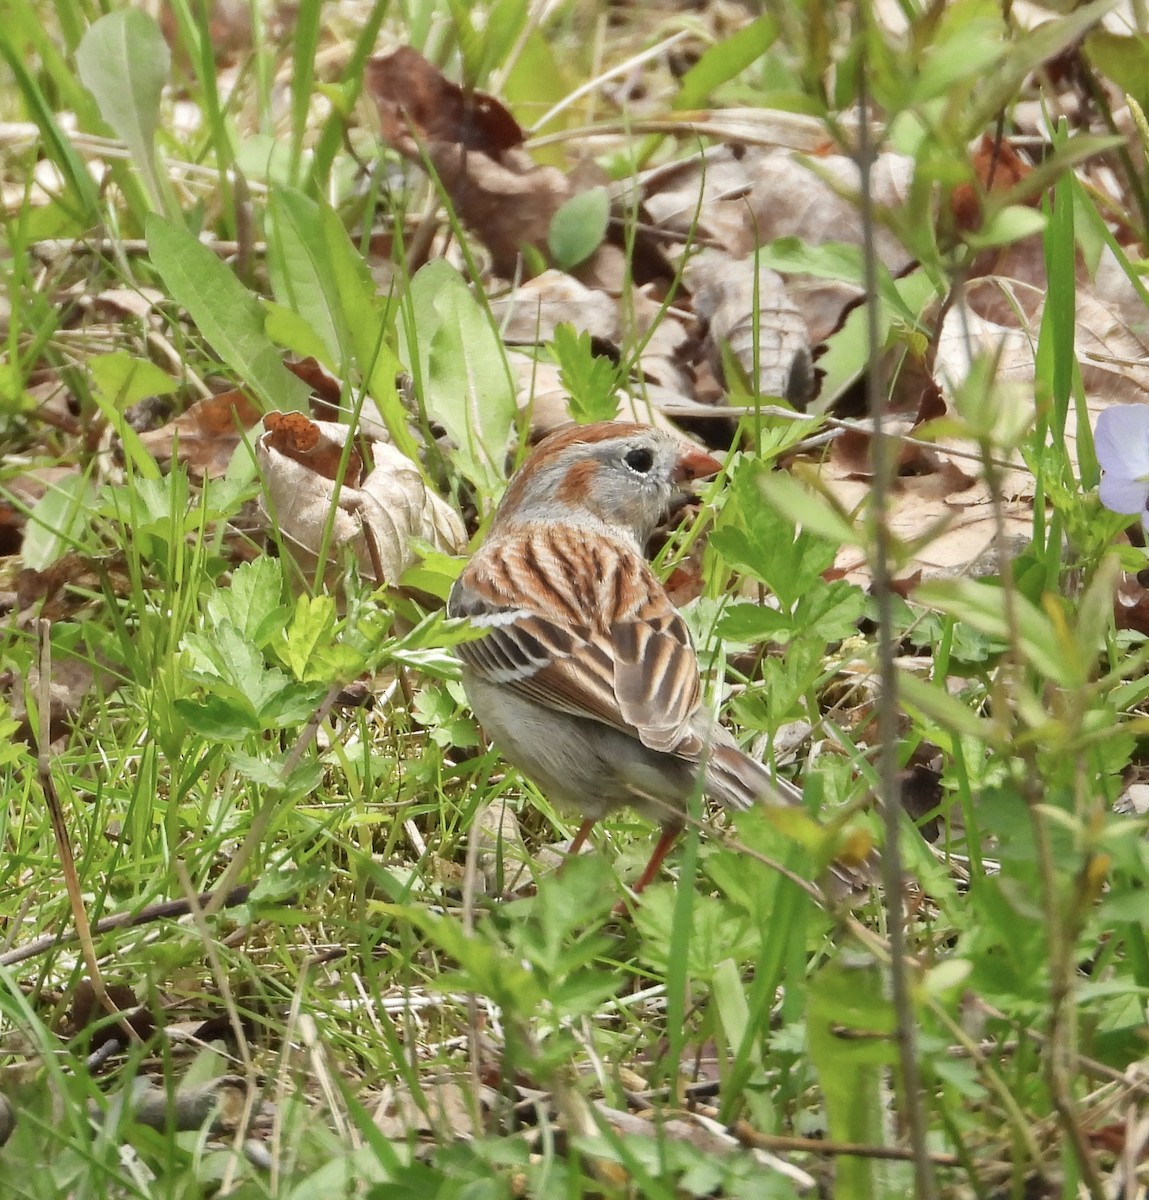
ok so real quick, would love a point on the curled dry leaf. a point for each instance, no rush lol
(382, 504)
(474, 146)
(750, 317)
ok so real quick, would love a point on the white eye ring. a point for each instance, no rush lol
(639, 460)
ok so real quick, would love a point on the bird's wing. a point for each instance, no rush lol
(581, 625)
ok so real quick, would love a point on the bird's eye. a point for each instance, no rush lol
(640, 459)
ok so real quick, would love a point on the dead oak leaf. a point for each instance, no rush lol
(474, 147)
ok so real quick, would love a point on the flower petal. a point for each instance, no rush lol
(1123, 495)
(1121, 437)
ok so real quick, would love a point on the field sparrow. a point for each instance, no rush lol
(586, 677)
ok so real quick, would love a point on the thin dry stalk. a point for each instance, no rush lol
(64, 841)
(913, 1108)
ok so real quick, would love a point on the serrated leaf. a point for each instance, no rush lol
(253, 602)
(591, 381)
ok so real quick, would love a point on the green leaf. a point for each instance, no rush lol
(722, 62)
(218, 717)
(253, 602)
(227, 314)
(126, 380)
(312, 627)
(124, 62)
(969, 42)
(756, 540)
(982, 605)
(1007, 225)
(801, 506)
(850, 1030)
(579, 226)
(591, 380)
(952, 719)
(57, 520)
(460, 368)
(1123, 59)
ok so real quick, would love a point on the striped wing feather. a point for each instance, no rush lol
(588, 631)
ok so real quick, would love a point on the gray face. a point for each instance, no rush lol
(639, 473)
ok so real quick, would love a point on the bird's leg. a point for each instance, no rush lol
(579, 838)
(667, 839)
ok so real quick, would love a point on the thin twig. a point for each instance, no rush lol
(63, 841)
(913, 1109)
(749, 1136)
(161, 911)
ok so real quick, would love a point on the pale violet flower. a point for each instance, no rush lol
(1121, 438)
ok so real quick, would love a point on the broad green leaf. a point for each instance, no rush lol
(951, 718)
(300, 272)
(970, 43)
(1123, 59)
(253, 602)
(801, 506)
(722, 62)
(318, 274)
(225, 719)
(535, 84)
(312, 626)
(1007, 225)
(124, 62)
(227, 314)
(834, 260)
(288, 329)
(579, 226)
(126, 380)
(57, 520)
(850, 1029)
(459, 364)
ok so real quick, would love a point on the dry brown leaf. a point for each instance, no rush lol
(530, 313)
(963, 541)
(376, 514)
(473, 145)
(751, 317)
(444, 1109)
(414, 96)
(206, 435)
(997, 168)
(503, 860)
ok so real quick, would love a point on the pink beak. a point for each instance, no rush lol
(695, 463)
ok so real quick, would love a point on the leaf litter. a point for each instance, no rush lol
(751, 313)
